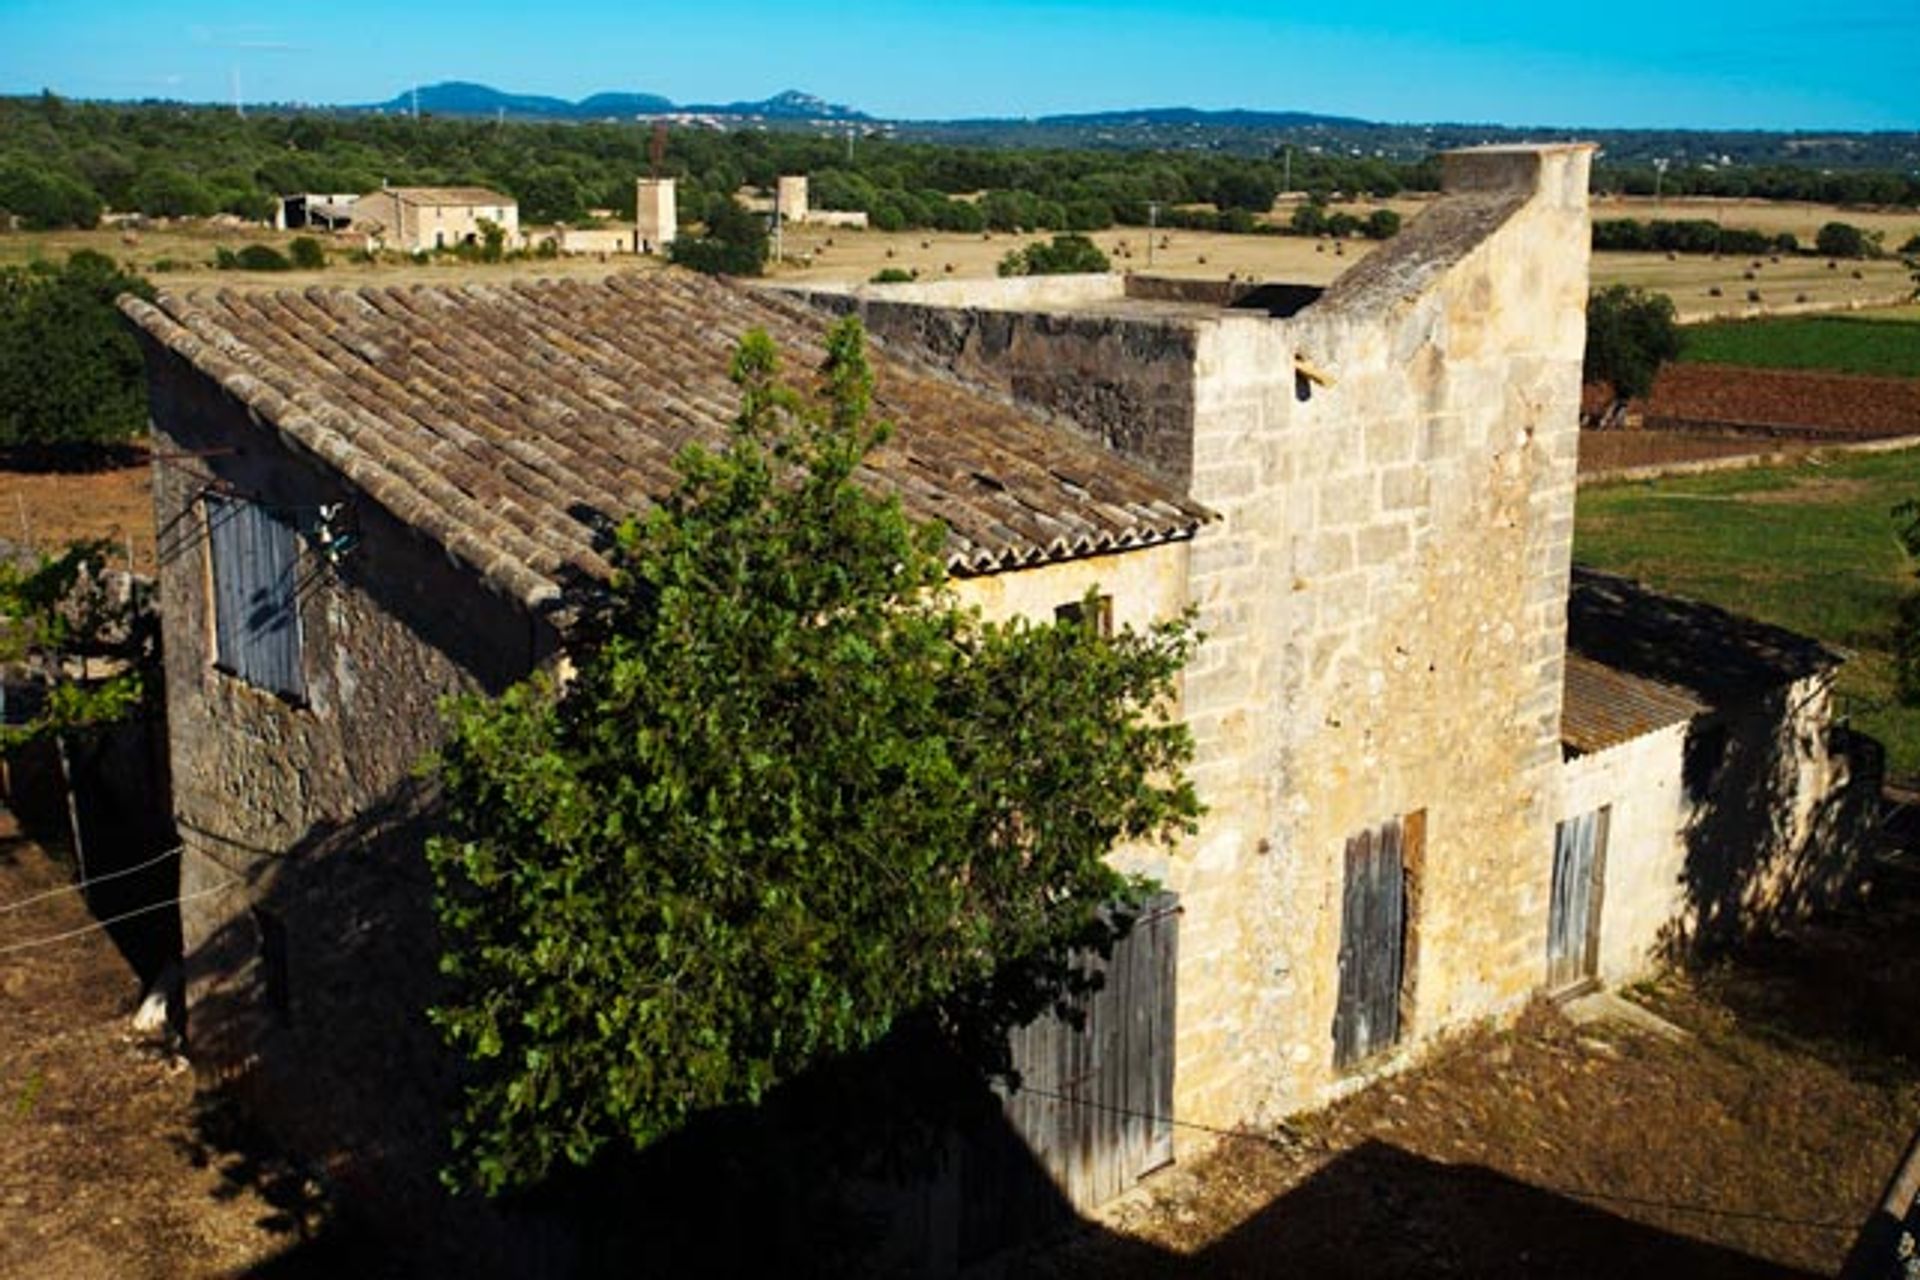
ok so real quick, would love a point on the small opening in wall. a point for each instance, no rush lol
(1075, 612)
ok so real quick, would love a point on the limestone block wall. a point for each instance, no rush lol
(1639, 782)
(1383, 594)
(1408, 532)
(1783, 810)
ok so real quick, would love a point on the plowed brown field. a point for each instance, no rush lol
(1839, 404)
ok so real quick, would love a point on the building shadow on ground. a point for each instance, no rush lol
(1379, 1211)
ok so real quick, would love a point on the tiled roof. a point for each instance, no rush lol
(513, 423)
(448, 195)
(1638, 660)
(1604, 707)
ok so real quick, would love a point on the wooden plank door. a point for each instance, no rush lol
(1094, 1113)
(1573, 918)
(1373, 940)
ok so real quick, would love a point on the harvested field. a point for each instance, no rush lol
(179, 256)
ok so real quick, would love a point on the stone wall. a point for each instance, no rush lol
(1383, 595)
(1126, 381)
(307, 820)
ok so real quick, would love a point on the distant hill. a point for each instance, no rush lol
(464, 98)
(1237, 118)
(791, 105)
(1240, 131)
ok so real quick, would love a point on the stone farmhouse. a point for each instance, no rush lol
(1445, 773)
(411, 219)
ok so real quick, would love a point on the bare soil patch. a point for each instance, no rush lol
(106, 1168)
(1827, 404)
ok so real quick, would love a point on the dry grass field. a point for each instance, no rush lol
(180, 256)
(1772, 216)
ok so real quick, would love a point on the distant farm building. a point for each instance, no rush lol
(416, 218)
(317, 210)
(655, 215)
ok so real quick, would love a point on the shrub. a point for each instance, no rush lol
(1841, 240)
(307, 254)
(1381, 224)
(893, 275)
(253, 257)
(1064, 255)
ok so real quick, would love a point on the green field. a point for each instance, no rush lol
(1808, 546)
(1885, 342)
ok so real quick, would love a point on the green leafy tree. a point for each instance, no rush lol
(735, 243)
(1309, 219)
(1063, 255)
(790, 795)
(170, 193)
(1631, 333)
(70, 372)
(44, 201)
(1381, 224)
(1841, 240)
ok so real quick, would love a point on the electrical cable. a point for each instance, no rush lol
(83, 884)
(97, 925)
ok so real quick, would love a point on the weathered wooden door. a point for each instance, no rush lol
(1373, 944)
(1573, 919)
(1094, 1113)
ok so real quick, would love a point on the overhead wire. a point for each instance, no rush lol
(80, 885)
(98, 925)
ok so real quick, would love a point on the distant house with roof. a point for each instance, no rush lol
(1443, 774)
(412, 219)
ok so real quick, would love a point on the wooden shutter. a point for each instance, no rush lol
(1573, 917)
(256, 617)
(1372, 946)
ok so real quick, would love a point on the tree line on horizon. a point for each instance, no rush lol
(63, 163)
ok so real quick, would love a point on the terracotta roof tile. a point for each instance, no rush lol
(1604, 707)
(512, 422)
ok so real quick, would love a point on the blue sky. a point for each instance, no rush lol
(1762, 64)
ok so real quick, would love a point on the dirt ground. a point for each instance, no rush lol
(43, 511)
(108, 1168)
(1755, 1146)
